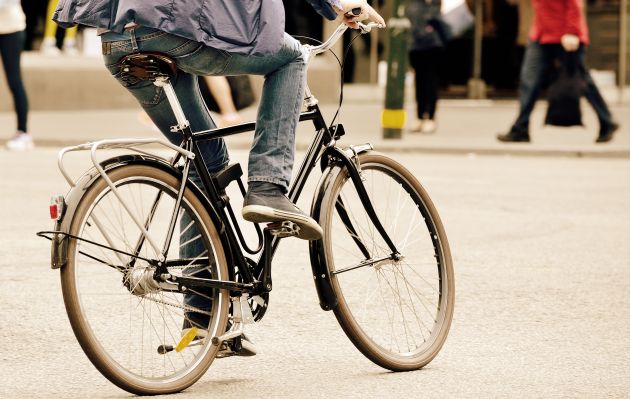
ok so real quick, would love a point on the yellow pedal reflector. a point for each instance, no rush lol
(186, 339)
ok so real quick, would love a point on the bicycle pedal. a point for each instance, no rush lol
(284, 229)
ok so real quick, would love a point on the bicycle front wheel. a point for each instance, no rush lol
(131, 327)
(396, 312)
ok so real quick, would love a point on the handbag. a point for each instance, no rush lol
(442, 28)
(565, 91)
(240, 88)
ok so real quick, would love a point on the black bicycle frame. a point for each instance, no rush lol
(258, 280)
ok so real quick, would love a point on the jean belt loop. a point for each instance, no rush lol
(134, 43)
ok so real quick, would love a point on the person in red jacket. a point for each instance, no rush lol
(558, 25)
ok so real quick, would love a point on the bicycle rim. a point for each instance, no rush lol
(129, 327)
(397, 313)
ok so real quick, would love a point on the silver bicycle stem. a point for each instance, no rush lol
(310, 51)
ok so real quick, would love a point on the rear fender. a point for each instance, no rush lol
(59, 245)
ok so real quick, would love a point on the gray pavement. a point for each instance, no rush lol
(542, 264)
(464, 126)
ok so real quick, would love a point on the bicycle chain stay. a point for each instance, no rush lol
(63, 233)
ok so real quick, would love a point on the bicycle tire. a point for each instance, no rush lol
(112, 320)
(415, 296)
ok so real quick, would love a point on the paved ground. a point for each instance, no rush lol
(464, 127)
(542, 262)
(540, 235)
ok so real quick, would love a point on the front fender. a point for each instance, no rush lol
(321, 275)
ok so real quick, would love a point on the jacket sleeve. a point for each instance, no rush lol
(325, 8)
(573, 16)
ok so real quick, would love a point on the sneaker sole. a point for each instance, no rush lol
(309, 229)
(247, 348)
(19, 147)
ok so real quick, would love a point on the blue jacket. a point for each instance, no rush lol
(241, 26)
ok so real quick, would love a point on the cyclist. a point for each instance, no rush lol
(222, 37)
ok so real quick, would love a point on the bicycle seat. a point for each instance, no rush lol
(147, 66)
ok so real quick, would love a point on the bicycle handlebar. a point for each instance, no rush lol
(327, 45)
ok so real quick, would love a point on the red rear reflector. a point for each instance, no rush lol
(54, 211)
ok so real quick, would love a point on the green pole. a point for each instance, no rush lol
(476, 85)
(393, 117)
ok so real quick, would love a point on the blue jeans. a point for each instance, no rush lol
(538, 60)
(272, 154)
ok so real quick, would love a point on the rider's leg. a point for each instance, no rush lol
(214, 152)
(272, 155)
(153, 99)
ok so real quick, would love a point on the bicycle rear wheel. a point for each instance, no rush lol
(397, 313)
(129, 325)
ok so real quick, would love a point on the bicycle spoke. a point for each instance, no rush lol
(394, 307)
(152, 312)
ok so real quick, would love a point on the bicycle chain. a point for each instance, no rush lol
(183, 307)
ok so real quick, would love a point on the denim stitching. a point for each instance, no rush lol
(175, 50)
(149, 36)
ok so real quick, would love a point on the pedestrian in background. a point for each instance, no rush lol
(429, 37)
(221, 99)
(35, 11)
(12, 37)
(557, 26)
(49, 43)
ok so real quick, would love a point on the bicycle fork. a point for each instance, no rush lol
(354, 170)
(338, 158)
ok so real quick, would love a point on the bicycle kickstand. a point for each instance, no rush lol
(241, 315)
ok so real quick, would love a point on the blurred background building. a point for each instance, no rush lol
(504, 25)
(504, 35)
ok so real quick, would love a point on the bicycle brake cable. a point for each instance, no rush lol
(341, 66)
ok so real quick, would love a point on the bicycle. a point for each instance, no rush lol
(139, 244)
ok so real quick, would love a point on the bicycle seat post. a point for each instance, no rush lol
(165, 83)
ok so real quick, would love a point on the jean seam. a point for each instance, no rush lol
(274, 180)
(192, 53)
(293, 126)
(173, 52)
(227, 61)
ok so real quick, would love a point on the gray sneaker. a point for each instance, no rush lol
(265, 203)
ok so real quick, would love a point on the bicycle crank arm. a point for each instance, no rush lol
(164, 349)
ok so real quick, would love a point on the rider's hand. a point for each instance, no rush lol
(570, 42)
(367, 12)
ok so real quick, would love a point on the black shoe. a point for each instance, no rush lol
(239, 346)
(514, 137)
(606, 132)
(265, 203)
